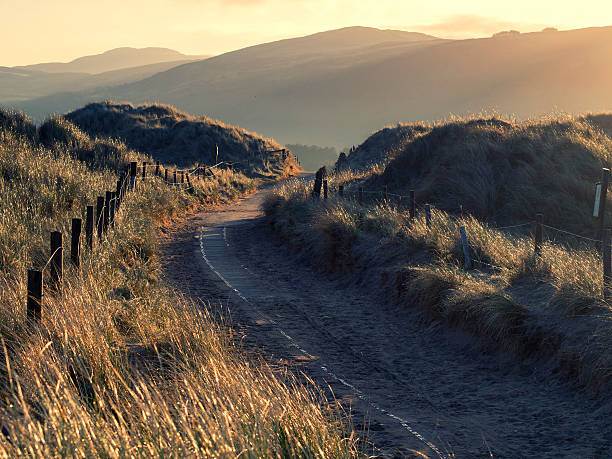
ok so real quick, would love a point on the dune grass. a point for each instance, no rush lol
(121, 365)
(550, 307)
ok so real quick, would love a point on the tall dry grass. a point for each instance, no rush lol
(550, 306)
(121, 365)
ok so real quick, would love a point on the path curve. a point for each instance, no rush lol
(421, 387)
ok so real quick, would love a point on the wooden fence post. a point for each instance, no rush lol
(100, 216)
(607, 264)
(106, 212)
(428, 215)
(133, 166)
(190, 186)
(35, 294)
(182, 177)
(605, 177)
(157, 168)
(144, 171)
(113, 205)
(324, 189)
(89, 227)
(341, 190)
(57, 260)
(360, 195)
(384, 193)
(412, 205)
(75, 242)
(538, 234)
(175, 177)
(166, 176)
(466, 248)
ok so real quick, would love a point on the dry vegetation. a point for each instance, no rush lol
(549, 307)
(121, 365)
(171, 136)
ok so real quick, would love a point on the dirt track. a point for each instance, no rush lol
(419, 386)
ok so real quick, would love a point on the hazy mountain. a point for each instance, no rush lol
(335, 88)
(114, 59)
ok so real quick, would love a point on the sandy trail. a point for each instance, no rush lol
(421, 387)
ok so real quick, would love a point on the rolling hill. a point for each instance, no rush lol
(334, 88)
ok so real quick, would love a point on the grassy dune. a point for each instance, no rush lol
(172, 136)
(550, 307)
(121, 365)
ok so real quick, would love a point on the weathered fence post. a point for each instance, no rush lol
(384, 193)
(144, 171)
(57, 260)
(341, 190)
(106, 212)
(428, 215)
(157, 168)
(324, 189)
(466, 248)
(605, 177)
(607, 263)
(412, 205)
(175, 177)
(35, 294)
(113, 205)
(539, 231)
(75, 242)
(89, 226)
(99, 216)
(133, 166)
(182, 177)
(190, 186)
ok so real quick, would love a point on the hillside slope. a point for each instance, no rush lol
(299, 92)
(171, 136)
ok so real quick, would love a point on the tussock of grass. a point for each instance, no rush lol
(122, 366)
(550, 307)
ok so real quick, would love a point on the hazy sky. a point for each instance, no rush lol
(34, 31)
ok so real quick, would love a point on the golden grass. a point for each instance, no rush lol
(551, 306)
(121, 365)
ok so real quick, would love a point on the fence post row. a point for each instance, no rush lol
(57, 260)
(607, 263)
(75, 247)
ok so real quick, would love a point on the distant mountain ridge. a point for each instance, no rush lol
(114, 59)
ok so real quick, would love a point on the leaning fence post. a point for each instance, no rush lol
(466, 248)
(113, 205)
(75, 242)
(360, 195)
(341, 190)
(538, 234)
(324, 189)
(412, 205)
(57, 260)
(99, 216)
(89, 226)
(607, 264)
(605, 176)
(106, 212)
(35, 294)
(133, 166)
(428, 215)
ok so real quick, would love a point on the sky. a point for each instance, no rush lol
(36, 31)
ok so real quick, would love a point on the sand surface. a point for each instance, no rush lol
(413, 385)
